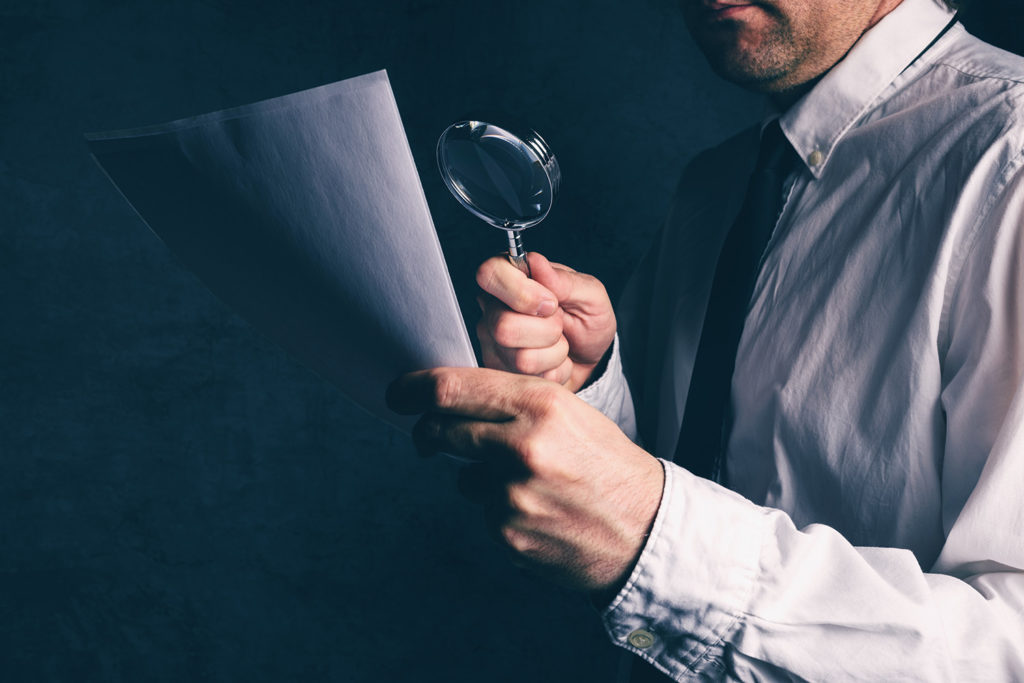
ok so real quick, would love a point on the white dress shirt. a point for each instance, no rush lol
(875, 526)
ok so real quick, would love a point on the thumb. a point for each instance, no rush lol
(577, 293)
(558, 279)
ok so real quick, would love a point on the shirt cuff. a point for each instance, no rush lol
(610, 394)
(689, 590)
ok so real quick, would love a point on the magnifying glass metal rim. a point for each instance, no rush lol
(537, 149)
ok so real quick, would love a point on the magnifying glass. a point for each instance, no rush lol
(507, 177)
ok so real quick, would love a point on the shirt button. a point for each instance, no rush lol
(815, 157)
(641, 639)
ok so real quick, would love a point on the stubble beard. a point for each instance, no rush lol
(763, 58)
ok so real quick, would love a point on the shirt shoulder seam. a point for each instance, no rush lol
(970, 243)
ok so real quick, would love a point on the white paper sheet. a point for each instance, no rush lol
(305, 213)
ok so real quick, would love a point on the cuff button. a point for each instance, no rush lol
(641, 639)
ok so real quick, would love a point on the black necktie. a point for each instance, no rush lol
(701, 438)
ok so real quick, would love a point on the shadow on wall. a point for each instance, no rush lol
(179, 499)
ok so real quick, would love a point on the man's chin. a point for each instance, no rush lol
(745, 72)
(751, 53)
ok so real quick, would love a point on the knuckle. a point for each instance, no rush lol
(515, 539)
(532, 454)
(528, 364)
(519, 500)
(447, 387)
(545, 400)
(555, 375)
(561, 374)
(505, 330)
(590, 281)
(509, 535)
(485, 275)
(596, 287)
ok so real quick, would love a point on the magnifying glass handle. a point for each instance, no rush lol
(516, 254)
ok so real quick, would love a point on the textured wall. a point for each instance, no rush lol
(179, 499)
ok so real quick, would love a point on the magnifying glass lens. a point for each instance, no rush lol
(497, 175)
(509, 180)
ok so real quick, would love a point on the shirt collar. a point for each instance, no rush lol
(816, 122)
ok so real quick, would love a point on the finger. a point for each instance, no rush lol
(493, 355)
(502, 525)
(556, 278)
(542, 260)
(518, 331)
(475, 440)
(436, 433)
(481, 393)
(489, 351)
(511, 286)
(562, 374)
(533, 361)
(539, 362)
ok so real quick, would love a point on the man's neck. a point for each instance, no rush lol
(785, 99)
(782, 101)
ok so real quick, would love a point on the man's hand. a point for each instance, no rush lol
(558, 325)
(569, 494)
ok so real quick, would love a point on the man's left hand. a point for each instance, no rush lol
(562, 487)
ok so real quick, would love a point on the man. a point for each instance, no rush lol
(876, 418)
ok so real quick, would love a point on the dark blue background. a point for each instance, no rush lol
(179, 499)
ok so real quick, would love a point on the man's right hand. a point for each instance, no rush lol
(559, 325)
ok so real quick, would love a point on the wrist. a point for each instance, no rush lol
(638, 510)
(585, 374)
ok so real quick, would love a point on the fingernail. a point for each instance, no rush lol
(547, 307)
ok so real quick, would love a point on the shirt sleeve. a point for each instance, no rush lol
(724, 587)
(610, 394)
